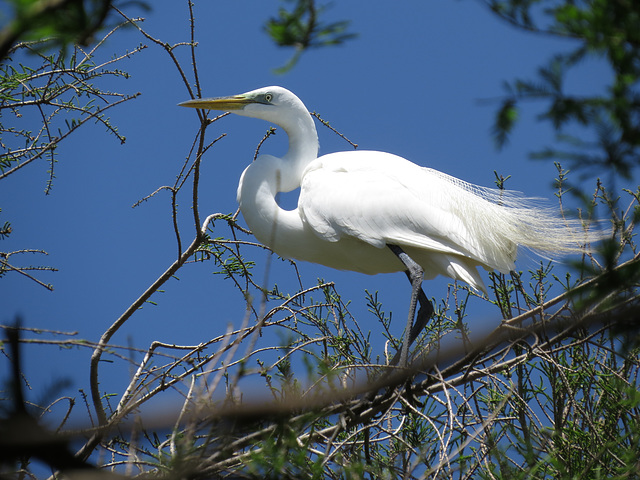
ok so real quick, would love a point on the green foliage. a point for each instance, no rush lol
(593, 414)
(5, 230)
(283, 457)
(226, 257)
(302, 29)
(61, 90)
(57, 23)
(606, 32)
(506, 119)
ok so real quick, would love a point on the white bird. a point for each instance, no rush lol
(375, 212)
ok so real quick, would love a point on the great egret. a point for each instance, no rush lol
(374, 212)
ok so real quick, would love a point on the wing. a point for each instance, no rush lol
(381, 198)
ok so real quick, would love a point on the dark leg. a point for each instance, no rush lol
(424, 314)
(412, 330)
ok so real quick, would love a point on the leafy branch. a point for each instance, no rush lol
(63, 93)
(606, 31)
(60, 22)
(301, 29)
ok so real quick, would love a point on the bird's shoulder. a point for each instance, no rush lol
(368, 173)
(361, 161)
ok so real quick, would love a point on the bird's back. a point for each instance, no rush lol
(380, 199)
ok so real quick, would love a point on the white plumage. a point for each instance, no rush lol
(353, 204)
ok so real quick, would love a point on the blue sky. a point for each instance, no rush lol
(413, 83)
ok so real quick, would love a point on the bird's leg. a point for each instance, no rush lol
(415, 274)
(424, 313)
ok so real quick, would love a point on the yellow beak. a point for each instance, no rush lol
(225, 104)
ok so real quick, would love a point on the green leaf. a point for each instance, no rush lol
(506, 118)
(301, 29)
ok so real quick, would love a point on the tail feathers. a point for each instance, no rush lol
(517, 221)
(549, 235)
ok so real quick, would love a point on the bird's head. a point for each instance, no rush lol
(267, 103)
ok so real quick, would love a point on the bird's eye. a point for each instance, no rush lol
(268, 97)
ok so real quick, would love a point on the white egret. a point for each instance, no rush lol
(374, 212)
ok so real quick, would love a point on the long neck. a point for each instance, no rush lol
(267, 176)
(303, 148)
(271, 224)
